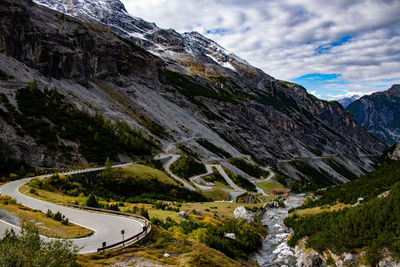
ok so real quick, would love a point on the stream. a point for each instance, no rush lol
(275, 251)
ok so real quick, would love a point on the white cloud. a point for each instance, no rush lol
(283, 37)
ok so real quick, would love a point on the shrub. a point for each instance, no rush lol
(143, 212)
(91, 201)
(58, 216)
(65, 221)
(28, 249)
(49, 214)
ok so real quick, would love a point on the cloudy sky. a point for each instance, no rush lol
(333, 48)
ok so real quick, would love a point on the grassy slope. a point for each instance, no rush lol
(269, 185)
(144, 172)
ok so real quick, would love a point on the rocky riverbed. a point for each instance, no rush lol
(275, 251)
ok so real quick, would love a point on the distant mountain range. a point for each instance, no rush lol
(379, 113)
(174, 88)
(348, 100)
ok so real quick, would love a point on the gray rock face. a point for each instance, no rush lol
(395, 155)
(242, 212)
(236, 106)
(379, 113)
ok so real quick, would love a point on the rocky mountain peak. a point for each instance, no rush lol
(189, 47)
(348, 100)
(394, 90)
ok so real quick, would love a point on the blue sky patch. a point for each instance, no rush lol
(325, 48)
(323, 84)
(219, 31)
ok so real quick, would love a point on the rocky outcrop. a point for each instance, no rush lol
(307, 257)
(395, 155)
(69, 49)
(379, 113)
(242, 212)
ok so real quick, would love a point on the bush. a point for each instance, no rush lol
(58, 216)
(143, 212)
(91, 201)
(65, 221)
(49, 214)
(28, 249)
(248, 236)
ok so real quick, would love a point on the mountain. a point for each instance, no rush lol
(379, 113)
(167, 87)
(348, 100)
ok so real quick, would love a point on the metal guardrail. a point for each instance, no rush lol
(146, 229)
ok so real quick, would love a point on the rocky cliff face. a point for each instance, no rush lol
(379, 113)
(188, 85)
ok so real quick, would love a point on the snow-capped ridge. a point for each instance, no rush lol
(165, 43)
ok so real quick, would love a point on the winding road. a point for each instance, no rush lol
(107, 228)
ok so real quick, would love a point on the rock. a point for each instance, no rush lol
(183, 214)
(198, 212)
(242, 212)
(377, 112)
(230, 236)
(166, 255)
(307, 257)
(388, 262)
(396, 153)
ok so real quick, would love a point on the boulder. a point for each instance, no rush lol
(198, 212)
(230, 236)
(242, 212)
(183, 214)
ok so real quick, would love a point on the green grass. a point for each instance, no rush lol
(138, 171)
(269, 185)
(216, 194)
